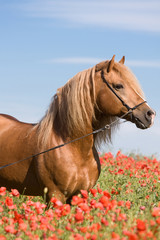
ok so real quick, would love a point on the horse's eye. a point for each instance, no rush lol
(117, 86)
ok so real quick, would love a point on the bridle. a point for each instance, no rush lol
(108, 126)
(124, 104)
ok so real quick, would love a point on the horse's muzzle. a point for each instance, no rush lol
(150, 116)
(144, 120)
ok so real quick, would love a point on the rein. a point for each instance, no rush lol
(108, 126)
(64, 144)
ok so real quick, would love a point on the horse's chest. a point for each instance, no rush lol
(70, 173)
(81, 177)
(87, 177)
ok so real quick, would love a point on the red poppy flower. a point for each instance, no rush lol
(2, 191)
(84, 207)
(107, 194)
(15, 192)
(93, 192)
(77, 236)
(156, 212)
(9, 203)
(65, 209)
(115, 236)
(84, 193)
(131, 236)
(141, 225)
(104, 221)
(1, 209)
(104, 200)
(79, 216)
(77, 200)
(158, 221)
(10, 229)
(2, 237)
(128, 204)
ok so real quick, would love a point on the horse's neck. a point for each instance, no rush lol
(61, 134)
(80, 146)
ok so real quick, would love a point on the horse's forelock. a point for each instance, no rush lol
(102, 65)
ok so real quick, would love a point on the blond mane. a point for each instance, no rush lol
(73, 109)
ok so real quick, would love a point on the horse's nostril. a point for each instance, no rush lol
(149, 114)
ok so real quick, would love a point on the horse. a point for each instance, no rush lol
(84, 104)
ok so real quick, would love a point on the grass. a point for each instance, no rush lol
(124, 205)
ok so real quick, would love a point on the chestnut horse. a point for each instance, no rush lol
(85, 103)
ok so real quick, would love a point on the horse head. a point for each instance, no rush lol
(118, 91)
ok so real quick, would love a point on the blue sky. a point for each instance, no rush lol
(44, 43)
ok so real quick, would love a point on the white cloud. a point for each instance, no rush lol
(92, 60)
(143, 63)
(75, 60)
(140, 15)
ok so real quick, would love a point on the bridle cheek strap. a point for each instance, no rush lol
(124, 104)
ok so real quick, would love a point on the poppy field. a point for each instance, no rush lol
(124, 205)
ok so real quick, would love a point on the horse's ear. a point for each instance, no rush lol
(105, 64)
(101, 65)
(111, 64)
(122, 60)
